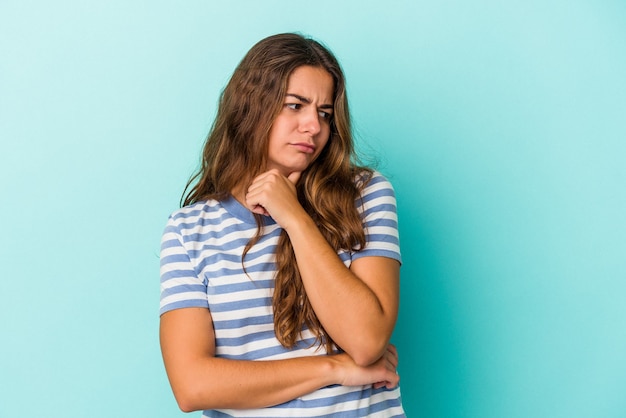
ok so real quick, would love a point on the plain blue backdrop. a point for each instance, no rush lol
(501, 125)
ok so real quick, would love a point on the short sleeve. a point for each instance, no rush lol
(377, 207)
(181, 286)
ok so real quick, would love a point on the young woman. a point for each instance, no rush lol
(279, 276)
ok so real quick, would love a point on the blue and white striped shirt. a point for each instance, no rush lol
(201, 266)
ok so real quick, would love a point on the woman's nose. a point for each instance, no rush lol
(310, 122)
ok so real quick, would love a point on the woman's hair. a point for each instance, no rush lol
(236, 150)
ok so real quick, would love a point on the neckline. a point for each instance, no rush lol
(242, 213)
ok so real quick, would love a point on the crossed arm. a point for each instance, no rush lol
(357, 306)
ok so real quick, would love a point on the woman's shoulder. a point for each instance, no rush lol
(371, 180)
(194, 212)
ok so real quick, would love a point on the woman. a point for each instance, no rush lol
(279, 276)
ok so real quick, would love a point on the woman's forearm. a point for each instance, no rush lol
(358, 305)
(202, 381)
(213, 383)
(358, 311)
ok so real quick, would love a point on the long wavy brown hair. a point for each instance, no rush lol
(235, 152)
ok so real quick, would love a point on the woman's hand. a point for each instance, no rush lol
(273, 194)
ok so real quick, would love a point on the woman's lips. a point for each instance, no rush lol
(304, 147)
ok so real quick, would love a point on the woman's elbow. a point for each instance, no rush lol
(185, 407)
(187, 399)
(185, 404)
(367, 354)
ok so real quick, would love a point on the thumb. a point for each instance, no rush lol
(294, 177)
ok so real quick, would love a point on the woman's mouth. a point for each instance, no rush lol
(304, 147)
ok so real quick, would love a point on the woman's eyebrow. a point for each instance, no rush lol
(308, 101)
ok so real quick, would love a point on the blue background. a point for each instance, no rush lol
(501, 125)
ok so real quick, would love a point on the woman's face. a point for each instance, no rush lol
(302, 128)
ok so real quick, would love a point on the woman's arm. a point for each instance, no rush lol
(358, 307)
(201, 381)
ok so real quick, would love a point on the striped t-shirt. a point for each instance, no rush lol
(201, 266)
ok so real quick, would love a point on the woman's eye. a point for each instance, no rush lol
(324, 115)
(293, 106)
